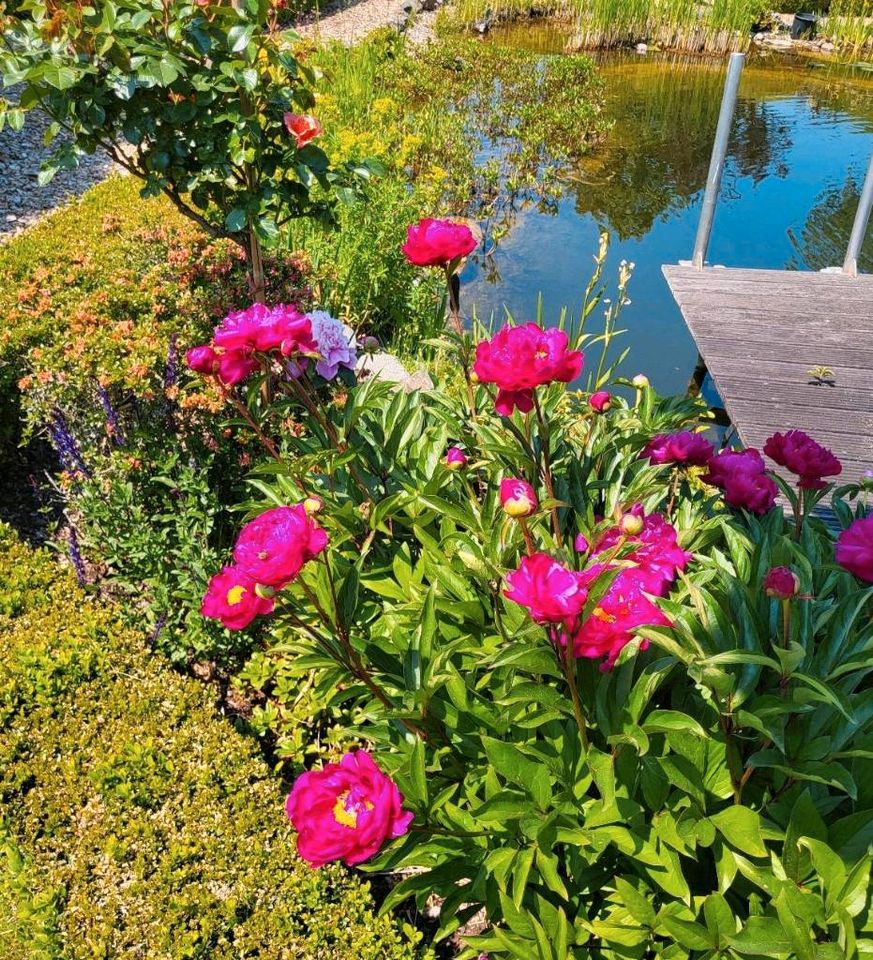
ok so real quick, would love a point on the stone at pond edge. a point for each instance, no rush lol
(388, 367)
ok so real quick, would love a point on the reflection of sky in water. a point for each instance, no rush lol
(789, 193)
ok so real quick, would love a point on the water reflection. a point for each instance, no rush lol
(799, 148)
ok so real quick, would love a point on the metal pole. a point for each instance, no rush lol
(859, 227)
(716, 163)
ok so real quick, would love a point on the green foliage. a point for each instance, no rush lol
(709, 797)
(126, 77)
(133, 820)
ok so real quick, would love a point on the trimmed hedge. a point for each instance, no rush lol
(134, 821)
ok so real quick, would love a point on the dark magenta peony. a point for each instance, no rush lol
(435, 243)
(780, 583)
(273, 547)
(456, 459)
(744, 479)
(518, 498)
(551, 592)
(685, 448)
(799, 453)
(519, 359)
(202, 360)
(232, 598)
(854, 549)
(600, 401)
(263, 328)
(303, 127)
(613, 622)
(656, 551)
(346, 811)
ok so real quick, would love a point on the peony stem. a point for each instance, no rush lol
(786, 622)
(528, 539)
(547, 471)
(569, 664)
(453, 284)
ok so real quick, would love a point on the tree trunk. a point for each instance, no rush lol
(256, 268)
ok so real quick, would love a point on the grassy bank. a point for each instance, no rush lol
(134, 822)
(713, 26)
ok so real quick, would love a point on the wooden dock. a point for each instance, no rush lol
(761, 332)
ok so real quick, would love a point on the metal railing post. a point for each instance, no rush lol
(859, 227)
(716, 163)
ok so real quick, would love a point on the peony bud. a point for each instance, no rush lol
(581, 543)
(517, 497)
(202, 359)
(264, 592)
(369, 345)
(631, 525)
(640, 381)
(780, 583)
(600, 401)
(455, 459)
(313, 505)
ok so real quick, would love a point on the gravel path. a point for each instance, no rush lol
(22, 200)
(351, 20)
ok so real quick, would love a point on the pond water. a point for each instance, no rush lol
(801, 141)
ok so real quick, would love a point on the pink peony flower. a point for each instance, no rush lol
(799, 453)
(685, 447)
(232, 598)
(657, 554)
(600, 401)
(744, 479)
(346, 811)
(335, 343)
(456, 459)
(854, 550)
(303, 127)
(552, 593)
(519, 359)
(273, 547)
(235, 366)
(621, 611)
(518, 498)
(202, 360)
(435, 243)
(781, 583)
(264, 328)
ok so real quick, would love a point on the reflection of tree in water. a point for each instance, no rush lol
(657, 156)
(824, 236)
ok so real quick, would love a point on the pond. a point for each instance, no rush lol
(802, 137)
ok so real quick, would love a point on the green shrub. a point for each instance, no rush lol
(133, 821)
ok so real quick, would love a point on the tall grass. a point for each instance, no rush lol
(698, 25)
(849, 25)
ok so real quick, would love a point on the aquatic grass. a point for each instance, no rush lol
(849, 25)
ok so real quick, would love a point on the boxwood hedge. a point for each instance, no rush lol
(134, 820)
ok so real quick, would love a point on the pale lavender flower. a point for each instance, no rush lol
(337, 346)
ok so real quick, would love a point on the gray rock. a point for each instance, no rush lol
(387, 367)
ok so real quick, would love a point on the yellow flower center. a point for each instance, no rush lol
(348, 816)
(601, 614)
(235, 595)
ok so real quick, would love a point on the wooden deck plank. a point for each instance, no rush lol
(761, 331)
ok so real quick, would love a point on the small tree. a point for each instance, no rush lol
(188, 96)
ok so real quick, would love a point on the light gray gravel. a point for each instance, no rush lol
(351, 20)
(22, 200)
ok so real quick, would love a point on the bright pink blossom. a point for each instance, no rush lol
(744, 479)
(684, 448)
(799, 453)
(273, 547)
(235, 366)
(435, 243)
(656, 551)
(854, 550)
(551, 592)
(232, 598)
(456, 459)
(600, 401)
(519, 359)
(581, 544)
(346, 811)
(613, 622)
(303, 127)
(202, 360)
(517, 497)
(262, 328)
(781, 583)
